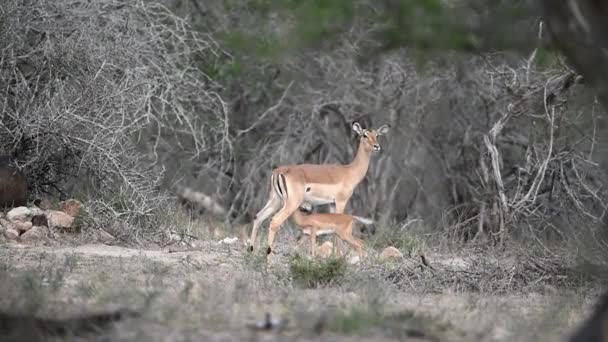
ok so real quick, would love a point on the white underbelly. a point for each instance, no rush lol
(315, 200)
(319, 232)
(319, 194)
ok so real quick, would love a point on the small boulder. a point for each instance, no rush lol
(59, 219)
(5, 224)
(19, 214)
(23, 214)
(22, 227)
(34, 234)
(230, 241)
(354, 260)
(11, 233)
(103, 236)
(390, 253)
(325, 250)
(71, 207)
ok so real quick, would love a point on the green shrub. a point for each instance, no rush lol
(393, 237)
(316, 272)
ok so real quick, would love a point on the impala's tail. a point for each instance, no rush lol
(364, 220)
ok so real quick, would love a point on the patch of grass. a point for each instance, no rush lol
(317, 272)
(87, 289)
(354, 320)
(407, 323)
(71, 261)
(255, 261)
(156, 268)
(31, 285)
(393, 236)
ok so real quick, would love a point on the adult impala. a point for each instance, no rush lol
(317, 184)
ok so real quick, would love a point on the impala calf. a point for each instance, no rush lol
(291, 185)
(328, 223)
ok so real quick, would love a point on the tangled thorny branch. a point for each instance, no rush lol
(91, 92)
(541, 185)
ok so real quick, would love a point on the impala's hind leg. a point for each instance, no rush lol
(347, 235)
(273, 204)
(289, 207)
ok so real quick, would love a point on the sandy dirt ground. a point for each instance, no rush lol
(215, 291)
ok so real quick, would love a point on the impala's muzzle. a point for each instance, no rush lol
(377, 147)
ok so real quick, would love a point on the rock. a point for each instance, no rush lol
(22, 227)
(354, 260)
(11, 233)
(19, 214)
(71, 207)
(34, 234)
(59, 219)
(5, 224)
(390, 253)
(325, 250)
(103, 236)
(23, 214)
(230, 241)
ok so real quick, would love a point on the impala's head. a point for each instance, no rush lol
(369, 137)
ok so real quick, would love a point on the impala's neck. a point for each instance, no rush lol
(358, 167)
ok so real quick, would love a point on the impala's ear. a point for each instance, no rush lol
(382, 130)
(357, 128)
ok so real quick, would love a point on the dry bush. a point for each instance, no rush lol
(491, 146)
(90, 90)
(529, 170)
(488, 146)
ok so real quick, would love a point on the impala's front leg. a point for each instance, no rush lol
(340, 204)
(313, 240)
